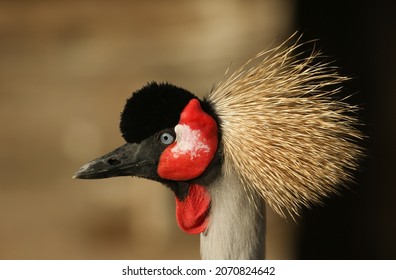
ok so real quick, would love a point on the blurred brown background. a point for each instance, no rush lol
(66, 69)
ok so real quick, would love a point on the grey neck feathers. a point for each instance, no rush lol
(236, 227)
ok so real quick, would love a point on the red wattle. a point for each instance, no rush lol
(192, 212)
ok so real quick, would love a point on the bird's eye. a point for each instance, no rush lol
(166, 138)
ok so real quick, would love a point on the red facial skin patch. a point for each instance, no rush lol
(192, 212)
(194, 147)
(187, 158)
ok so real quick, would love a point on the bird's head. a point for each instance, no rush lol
(171, 137)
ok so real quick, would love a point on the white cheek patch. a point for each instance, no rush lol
(188, 141)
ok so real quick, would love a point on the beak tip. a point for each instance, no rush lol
(82, 172)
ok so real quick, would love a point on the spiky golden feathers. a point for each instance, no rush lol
(284, 132)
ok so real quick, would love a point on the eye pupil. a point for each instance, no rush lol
(166, 138)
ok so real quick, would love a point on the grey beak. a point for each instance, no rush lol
(123, 161)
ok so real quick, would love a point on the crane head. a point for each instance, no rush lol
(276, 125)
(171, 137)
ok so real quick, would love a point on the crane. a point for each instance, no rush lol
(272, 133)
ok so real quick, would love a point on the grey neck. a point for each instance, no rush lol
(236, 227)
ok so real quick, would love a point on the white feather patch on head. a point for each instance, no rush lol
(188, 141)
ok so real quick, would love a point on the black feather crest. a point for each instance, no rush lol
(154, 107)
